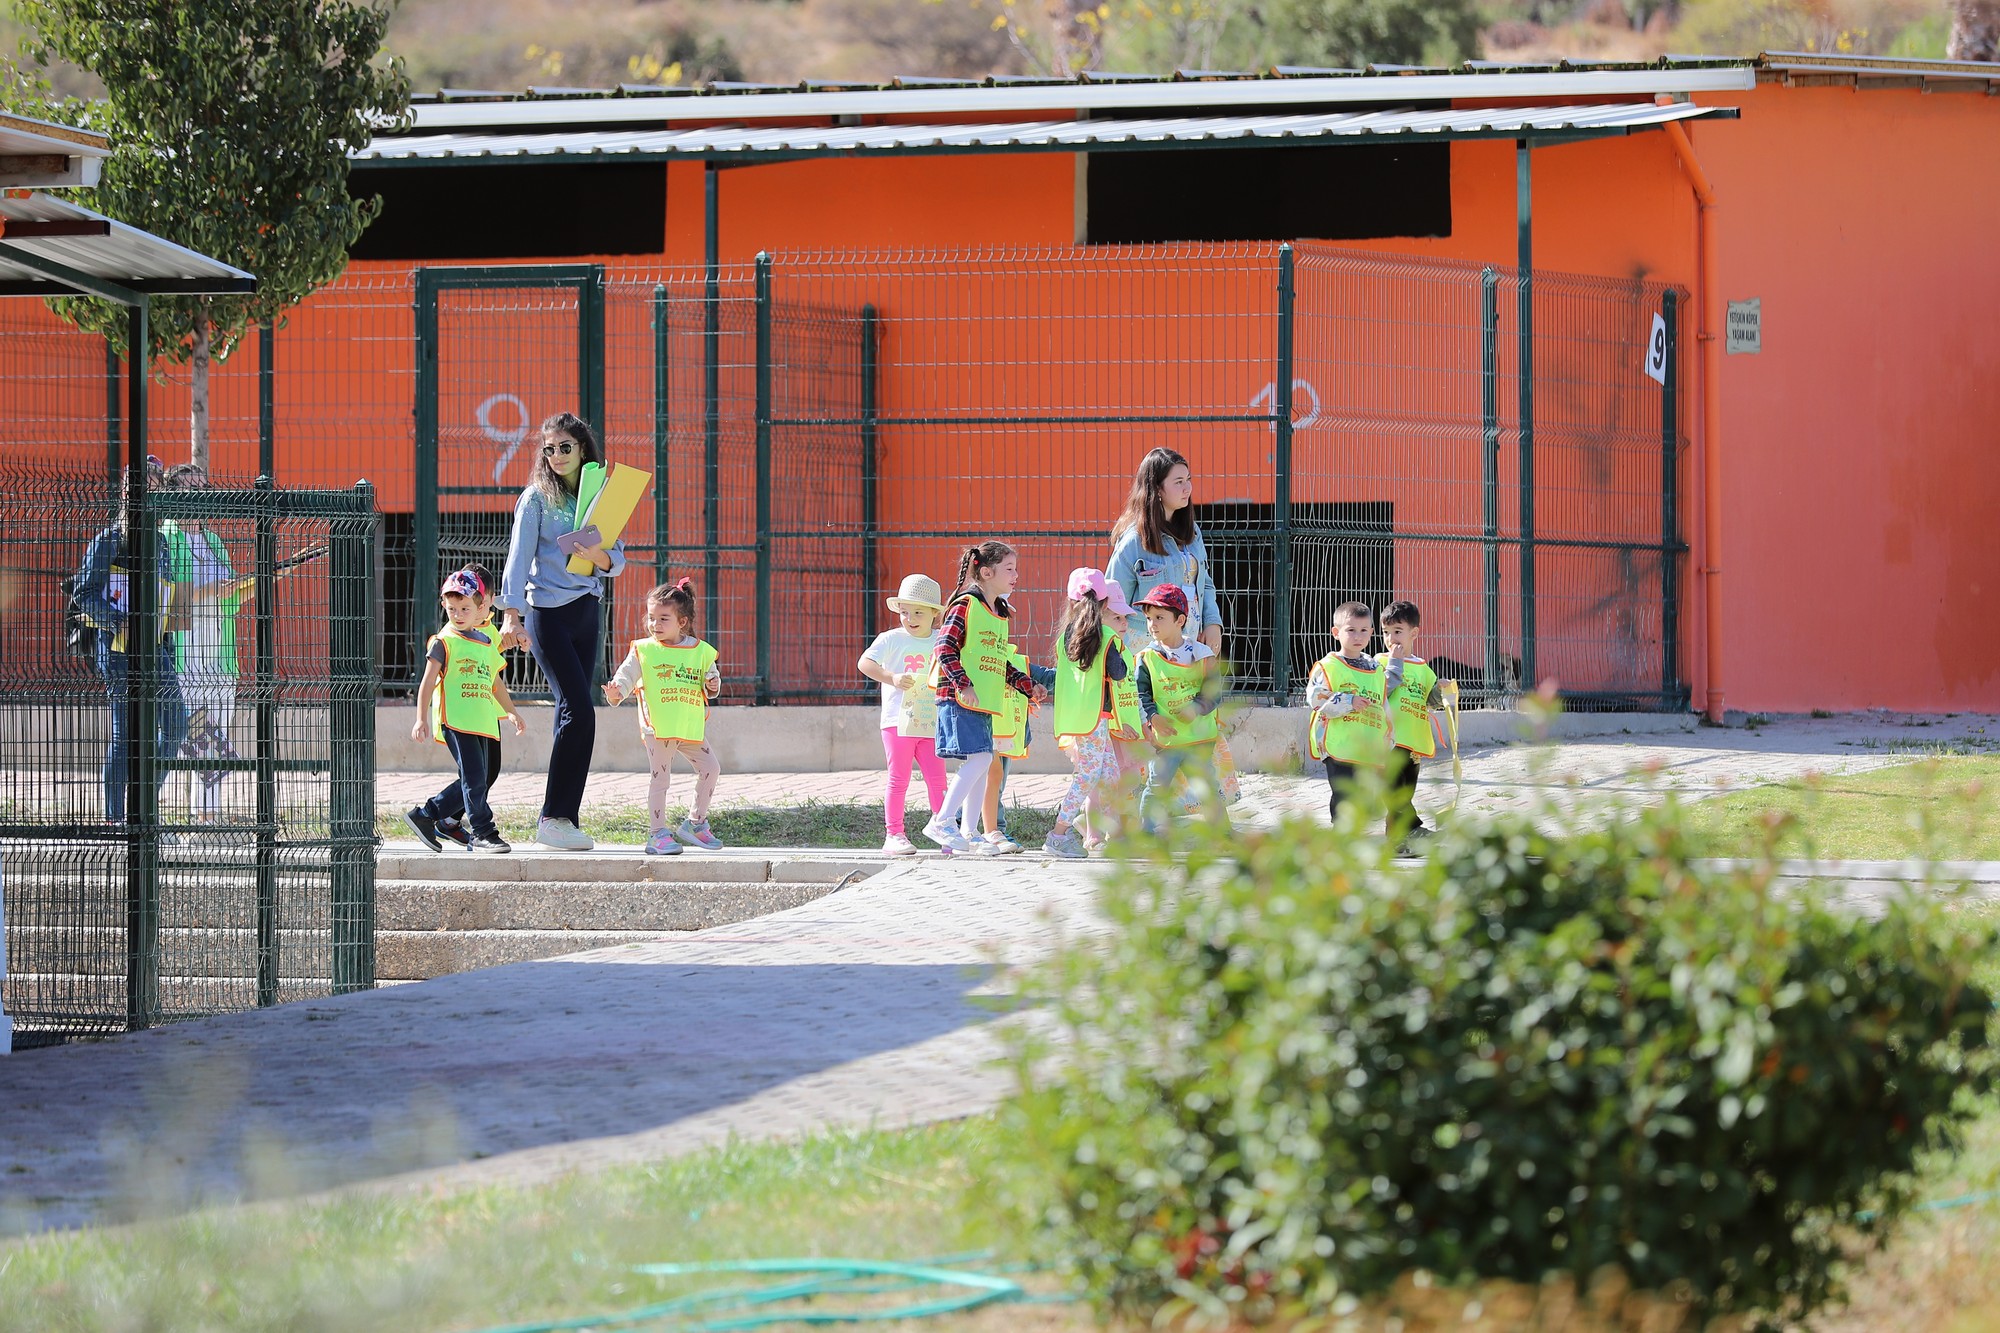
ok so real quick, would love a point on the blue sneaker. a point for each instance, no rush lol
(662, 844)
(698, 835)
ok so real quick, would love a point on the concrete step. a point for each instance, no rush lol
(574, 905)
(622, 865)
(416, 955)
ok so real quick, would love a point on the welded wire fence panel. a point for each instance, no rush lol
(245, 876)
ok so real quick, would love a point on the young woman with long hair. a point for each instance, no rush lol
(560, 615)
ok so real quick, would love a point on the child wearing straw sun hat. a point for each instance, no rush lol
(900, 661)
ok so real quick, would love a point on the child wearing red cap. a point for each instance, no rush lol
(462, 678)
(1180, 691)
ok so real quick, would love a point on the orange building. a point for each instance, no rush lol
(982, 302)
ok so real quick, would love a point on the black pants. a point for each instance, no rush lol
(566, 641)
(1402, 794)
(478, 760)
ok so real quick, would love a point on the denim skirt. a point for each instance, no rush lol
(961, 732)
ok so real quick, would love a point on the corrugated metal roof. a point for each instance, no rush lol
(1059, 135)
(123, 255)
(1003, 96)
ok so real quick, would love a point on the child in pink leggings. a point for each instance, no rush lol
(900, 661)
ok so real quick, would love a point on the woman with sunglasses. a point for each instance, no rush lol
(558, 616)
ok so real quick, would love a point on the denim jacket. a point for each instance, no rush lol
(537, 571)
(1138, 572)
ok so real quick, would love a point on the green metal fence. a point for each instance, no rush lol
(1360, 426)
(242, 872)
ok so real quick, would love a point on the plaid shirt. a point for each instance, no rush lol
(951, 642)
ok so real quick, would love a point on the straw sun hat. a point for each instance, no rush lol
(919, 591)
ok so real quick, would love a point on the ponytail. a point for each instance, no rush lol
(679, 595)
(1081, 633)
(982, 555)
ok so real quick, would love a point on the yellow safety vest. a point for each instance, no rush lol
(1128, 716)
(1079, 692)
(673, 696)
(1174, 687)
(1010, 725)
(984, 657)
(463, 701)
(1410, 709)
(1362, 735)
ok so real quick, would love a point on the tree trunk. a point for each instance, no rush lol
(1975, 30)
(198, 391)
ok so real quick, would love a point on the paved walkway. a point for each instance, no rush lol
(857, 1009)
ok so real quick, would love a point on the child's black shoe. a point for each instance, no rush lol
(424, 827)
(492, 844)
(453, 831)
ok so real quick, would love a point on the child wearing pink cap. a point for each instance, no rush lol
(1093, 704)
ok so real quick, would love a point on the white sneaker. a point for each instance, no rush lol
(562, 835)
(947, 837)
(898, 845)
(988, 847)
(1003, 845)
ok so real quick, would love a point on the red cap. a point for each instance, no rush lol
(1168, 596)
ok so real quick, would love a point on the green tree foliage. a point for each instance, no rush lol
(1229, 34)
(230, 125)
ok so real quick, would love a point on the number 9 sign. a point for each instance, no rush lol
(1656, 351)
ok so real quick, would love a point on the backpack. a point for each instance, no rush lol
(79, 635)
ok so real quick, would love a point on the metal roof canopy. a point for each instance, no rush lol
(1003, 97)
(725, 146)
(50, 247)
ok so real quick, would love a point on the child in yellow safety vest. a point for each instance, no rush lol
(1348, 728)
(673, 676)
(1096, 700)
(1413, 694)
(1180, 690)
(462, 683)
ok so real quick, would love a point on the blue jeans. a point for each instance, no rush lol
(478, 760)
(566, 641)
(1198, 762)
(169, 715)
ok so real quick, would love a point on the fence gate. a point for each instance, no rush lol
(246, 876)
(498, 350)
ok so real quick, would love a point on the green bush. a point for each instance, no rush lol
(1293, 1070)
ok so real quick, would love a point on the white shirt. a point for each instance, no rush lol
(897, 651)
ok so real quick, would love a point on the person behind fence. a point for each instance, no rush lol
(972, 674)
(1089, 708)
(205, 653)
(674, 677)
(899, 660)
(1180, 691)
(461, 703)
(1412, 694)
(558, 615)
(1348, 726)
(103, 593)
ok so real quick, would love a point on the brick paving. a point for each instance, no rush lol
(857, 1009)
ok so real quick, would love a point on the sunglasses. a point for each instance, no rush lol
(551, 450)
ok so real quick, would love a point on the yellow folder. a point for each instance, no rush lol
(624, 487)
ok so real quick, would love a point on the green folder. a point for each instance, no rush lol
(588, 486)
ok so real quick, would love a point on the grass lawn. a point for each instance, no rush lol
(500, 1255)
(1947, 808)
(808, 824)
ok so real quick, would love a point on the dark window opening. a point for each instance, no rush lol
(515, 211)
(1343, 192)
(1335, 558)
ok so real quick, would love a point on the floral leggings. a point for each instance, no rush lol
(1096, 778)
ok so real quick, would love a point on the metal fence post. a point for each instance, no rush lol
(662, 546)
(1281, 489)
(267, 401)
(142, 680)
(870, 477)
(1524, 217)
(424, 519)
(1489, 406)
(763, 477)
(711, 388)
(351, 760)
(1670, 581)
(265, 699)
(114, 431)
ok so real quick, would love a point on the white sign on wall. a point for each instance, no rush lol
(1656, 350)
(1745, 327)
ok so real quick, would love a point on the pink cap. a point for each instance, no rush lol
(1092, 583)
